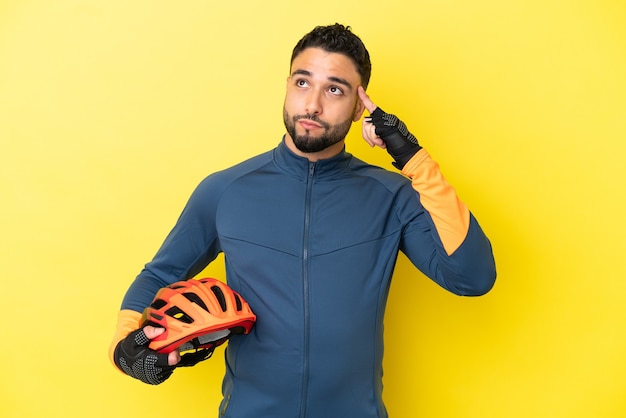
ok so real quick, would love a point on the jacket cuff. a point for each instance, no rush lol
(127, 322)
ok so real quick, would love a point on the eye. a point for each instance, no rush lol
(336, 91)
(301, 82)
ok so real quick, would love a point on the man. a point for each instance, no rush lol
(310, 236)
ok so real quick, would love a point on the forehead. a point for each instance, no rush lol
(323, 64)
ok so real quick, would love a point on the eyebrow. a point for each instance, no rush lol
(337, 80)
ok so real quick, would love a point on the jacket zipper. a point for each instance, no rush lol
(305, 290)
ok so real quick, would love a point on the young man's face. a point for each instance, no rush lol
(321, 100)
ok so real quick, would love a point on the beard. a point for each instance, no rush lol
(309, 144)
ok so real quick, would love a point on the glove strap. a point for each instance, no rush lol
(191, 359)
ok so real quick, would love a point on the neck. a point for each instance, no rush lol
(315, 156)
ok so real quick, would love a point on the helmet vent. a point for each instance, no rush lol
(220, 297)
(177, 313)
(194, 298)
(238, 301)
(158, 304)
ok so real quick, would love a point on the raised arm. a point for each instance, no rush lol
(460, 258)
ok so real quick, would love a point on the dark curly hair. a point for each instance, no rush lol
(339, 39)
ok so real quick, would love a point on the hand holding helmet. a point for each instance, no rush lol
(134, 357)
(192, 317)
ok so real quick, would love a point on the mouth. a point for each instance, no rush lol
(309, 125)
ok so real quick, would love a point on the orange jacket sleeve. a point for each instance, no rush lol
(449, 214)
(127, 322)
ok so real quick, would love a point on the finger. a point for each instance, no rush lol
(377, 142)
(369, 135)
(173, 358)
(152, 332)
(367, 102)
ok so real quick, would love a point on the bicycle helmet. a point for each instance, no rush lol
(197, 314)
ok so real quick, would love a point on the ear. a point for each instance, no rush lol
(358, 110)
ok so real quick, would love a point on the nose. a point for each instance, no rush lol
(314, 102)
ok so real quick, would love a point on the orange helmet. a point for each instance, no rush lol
(197, 314)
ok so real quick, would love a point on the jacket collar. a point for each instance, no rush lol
(298, 166)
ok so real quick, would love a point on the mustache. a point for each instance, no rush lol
(313, 118)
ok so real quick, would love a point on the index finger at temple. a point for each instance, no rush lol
(367, 102)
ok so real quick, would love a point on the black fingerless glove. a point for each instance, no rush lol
(134, 358)
(401, 144)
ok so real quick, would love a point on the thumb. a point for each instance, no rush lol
(153, 332)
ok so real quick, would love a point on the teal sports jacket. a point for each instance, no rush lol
(312, 248)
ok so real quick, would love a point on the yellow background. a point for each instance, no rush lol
(112, 111)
